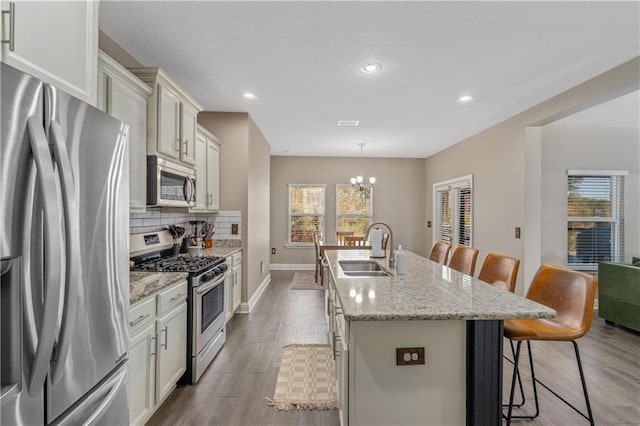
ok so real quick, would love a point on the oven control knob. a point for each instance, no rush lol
(223, 267)
(208, 277)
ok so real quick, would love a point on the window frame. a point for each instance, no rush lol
(617, 250)
(291, 244)
(370, 215)
(453, 185)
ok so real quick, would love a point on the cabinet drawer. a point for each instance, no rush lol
(171, 297)
(236, 259)
(141, 314)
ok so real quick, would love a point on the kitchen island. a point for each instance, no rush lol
(448, 326)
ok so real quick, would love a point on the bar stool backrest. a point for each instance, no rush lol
(440, 251)
(463, 259)
(500, 270)
(570, 293)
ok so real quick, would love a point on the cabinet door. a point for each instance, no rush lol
(142, 374)
(168, 123)
(172, 350)
(213, 176)
(342, 366)
(202, 194)
(130, 106)
(237, 286)
(56, 42)
(189, 125)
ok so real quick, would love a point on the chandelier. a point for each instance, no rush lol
(358, 181)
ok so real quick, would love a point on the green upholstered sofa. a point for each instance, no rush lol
(619, 293)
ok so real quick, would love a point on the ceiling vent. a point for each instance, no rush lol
(348, 123)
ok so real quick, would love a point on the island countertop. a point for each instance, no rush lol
(428, 291)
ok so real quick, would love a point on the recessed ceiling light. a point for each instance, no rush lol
(348, 123)
(249, 96)
(370, 67)
(465, 99)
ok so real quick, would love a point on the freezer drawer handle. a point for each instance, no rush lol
(12, 24)
(139, 320)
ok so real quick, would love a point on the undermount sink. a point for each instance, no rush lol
(362, 268)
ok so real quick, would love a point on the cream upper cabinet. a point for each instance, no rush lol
(207, 158)
(171, 117)
(55, 41)
(168, 107)
(188, 121)
(123, 96)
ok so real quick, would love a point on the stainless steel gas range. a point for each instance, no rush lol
(206, 332)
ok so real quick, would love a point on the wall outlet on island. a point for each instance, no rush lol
(410, 356)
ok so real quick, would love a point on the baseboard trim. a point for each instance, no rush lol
(292, 267)
(245, 307)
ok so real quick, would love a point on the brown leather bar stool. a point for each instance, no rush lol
(500, 270)
(572, 295)
(463, 259)
(440, 251)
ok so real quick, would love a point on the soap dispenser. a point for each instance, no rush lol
(400, 261)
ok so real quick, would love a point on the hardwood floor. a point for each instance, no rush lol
(233, 389)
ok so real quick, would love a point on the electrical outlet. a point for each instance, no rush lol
(234, 228)
(262, 267)
(273, 250)
(517, 232)
(428, 224)
(410, 356)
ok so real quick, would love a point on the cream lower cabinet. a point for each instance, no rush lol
(207, 157)
(123, 96)
(339, 342)
(157, 349)
(55, 41)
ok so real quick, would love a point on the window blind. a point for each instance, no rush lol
(595, 219)
(453, 205)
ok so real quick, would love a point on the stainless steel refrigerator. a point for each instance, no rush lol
(64, 205)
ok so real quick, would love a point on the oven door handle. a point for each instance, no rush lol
(205, 288)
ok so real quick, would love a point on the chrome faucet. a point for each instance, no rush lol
(366, 237)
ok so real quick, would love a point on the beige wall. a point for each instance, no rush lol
(244, 186)
(398, 198)
(497, 159)
(113, 49)
(586, 148)
(258, 241)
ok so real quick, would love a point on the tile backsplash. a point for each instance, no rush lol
(151, 221)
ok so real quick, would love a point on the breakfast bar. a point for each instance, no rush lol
(423, 348)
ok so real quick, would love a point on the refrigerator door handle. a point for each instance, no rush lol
(72, 249)
(53, 250)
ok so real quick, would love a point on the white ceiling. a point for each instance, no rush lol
(619, 112)
(302, 61)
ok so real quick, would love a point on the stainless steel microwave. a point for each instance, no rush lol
(169, 184)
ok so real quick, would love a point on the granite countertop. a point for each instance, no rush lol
(428, 291)
(219, 251)
(144, 284)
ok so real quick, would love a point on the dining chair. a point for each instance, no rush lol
(341, 234)
(571, 294)
(500, 270)
(316, 243)
(440, 251)
(463, 259)
(352, 240)
(385, 240)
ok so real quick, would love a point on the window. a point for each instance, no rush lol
(306, 212)
(595, 218)
(452, 210)
(354, 209)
